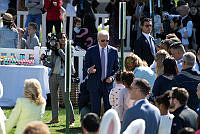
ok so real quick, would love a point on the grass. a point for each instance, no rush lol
(58, 128)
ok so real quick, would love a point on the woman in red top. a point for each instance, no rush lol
(53, 18)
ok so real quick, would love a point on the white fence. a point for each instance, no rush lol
(37, 51)
(103, 17)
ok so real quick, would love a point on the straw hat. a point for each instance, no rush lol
(7, 17)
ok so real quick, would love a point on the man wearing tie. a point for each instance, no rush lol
(144, 46)
(101, 65)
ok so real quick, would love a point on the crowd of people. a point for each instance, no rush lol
(161, 82)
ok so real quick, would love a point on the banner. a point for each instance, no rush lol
(122, 20)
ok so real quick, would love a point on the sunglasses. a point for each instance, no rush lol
(129, 62)
(104, 40)
(147, 25)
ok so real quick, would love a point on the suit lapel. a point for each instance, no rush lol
(147, 43)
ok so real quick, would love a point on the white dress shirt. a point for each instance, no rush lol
(150, 42)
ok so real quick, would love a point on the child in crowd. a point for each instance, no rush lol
(163, 104)
(77, 36)
(81, 38)
(22, 41)
(114, 93)
(36, 127)
(34, 14)
(124, 97)
(32, 39)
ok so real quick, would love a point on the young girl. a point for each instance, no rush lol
(124, 98)
(163, 104)
(114, 93)
(22, 42)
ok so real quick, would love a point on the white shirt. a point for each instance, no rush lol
(153, 45)
(106, 57)
(136, 102)
(165, 124)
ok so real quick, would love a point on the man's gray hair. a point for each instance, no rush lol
(189, 59)
(102, 32)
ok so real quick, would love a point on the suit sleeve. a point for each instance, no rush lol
(14, 117)
(126, 122)
(87, 63)
(116, 64)
(137, 48)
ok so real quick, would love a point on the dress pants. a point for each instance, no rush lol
(56, 81)
(95, 99)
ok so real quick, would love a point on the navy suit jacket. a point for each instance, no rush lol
(143, 50)
(92, 57)
(146, 111)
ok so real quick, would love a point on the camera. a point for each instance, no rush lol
(52, 42)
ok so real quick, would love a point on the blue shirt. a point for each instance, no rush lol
(145, 73)
(8, 37)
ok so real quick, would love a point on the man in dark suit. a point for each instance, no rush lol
(142, 109)
(144, 46)
(183, 115)
(101, 65)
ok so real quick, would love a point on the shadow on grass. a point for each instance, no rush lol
(75, 130)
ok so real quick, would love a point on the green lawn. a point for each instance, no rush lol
(58, 128)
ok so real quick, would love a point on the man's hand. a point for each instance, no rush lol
(92, 69)
(109, 79)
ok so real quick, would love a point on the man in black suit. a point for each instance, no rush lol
(144, 46)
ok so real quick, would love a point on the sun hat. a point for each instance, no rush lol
(7, 17)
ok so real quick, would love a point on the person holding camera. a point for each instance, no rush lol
(56, 77)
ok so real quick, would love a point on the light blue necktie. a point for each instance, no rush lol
(151, 46)
(103, 74)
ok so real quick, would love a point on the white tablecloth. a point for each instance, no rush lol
(12, 78)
